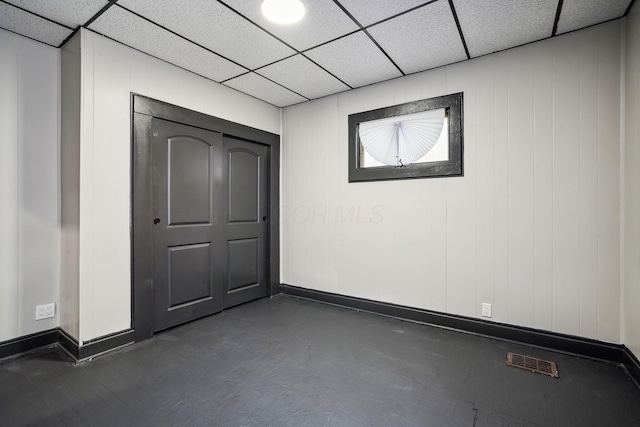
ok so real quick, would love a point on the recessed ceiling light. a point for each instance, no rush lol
(283, 11)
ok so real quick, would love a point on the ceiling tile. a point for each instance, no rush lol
(29, 25)
(140, 34)
(500, 24)
(368, 12)
(72, 13)
(354, 59)
(261, 88)
(578, 14)
(215, 27)
(303, 76)
(323, 21)
(422, 39)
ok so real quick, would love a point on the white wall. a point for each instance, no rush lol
(29, 219)
(110, 72)
(70, 185)
(534, 225)
(631, 190)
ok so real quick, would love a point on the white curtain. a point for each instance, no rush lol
(402, 140)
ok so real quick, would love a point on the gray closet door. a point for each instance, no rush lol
(188, 269)
(209, 208)
(245, 182)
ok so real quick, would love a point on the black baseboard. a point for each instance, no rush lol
(60, 338)
(28, 343)
(632, 365)
(69, 344)
(96, 346)
(568, 344)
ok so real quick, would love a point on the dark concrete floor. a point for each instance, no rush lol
(290, 362)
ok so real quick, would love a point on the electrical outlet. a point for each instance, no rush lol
(45, 311)
(486, 309)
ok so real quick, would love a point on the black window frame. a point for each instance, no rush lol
(452, 103)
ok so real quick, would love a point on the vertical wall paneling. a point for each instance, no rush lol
(566, 186)
(501, 190)
(435, 253)
(415, 217)
(70, 186)
(9, 161)
(111, 176)
(86, 219)
(436, 207)
(38, 253)
(485, 166)
(29, 220)
(285, 243)
(524, 229)
(294, 213)
(543, 188)
(520, 121)
(461, 204)
(631, 292)
(608, 187)
(589, 172)
(434, 224)
(318, 213)
(347, 230)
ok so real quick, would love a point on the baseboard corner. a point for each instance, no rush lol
(631, 364)
(67, 343)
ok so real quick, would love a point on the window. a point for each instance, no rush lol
(418, 139)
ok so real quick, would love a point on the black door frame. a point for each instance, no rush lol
(143, 109)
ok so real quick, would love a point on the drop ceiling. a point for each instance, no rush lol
(339, 44)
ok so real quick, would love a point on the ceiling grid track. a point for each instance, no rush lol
(36, 14)
(159, 59)
(362, 42)
(73, 33)
(86, 24)
(30, 38)
(191, 71)
(363, 29)
(100, 12)
(298, 52)
(455, 18)
(183, 37)
(273, 81)
(397, 15)
(257, 25)
(329, 72)
(557, 19)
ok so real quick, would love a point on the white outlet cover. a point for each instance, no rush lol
(45, 311)
(486, 309)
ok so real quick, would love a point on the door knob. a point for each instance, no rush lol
(264, 218)
(156, 221)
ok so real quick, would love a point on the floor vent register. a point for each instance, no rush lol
(532, 364)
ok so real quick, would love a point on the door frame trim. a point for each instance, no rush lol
(143, 110)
